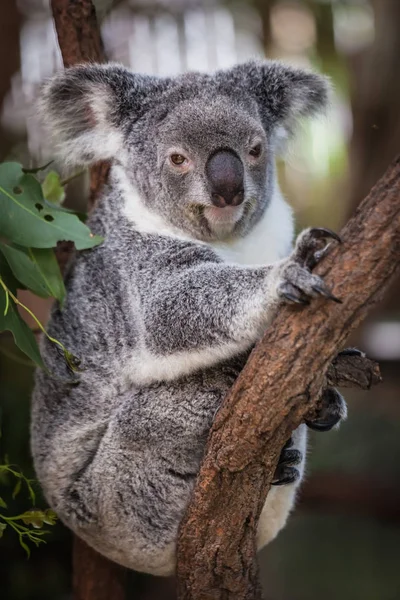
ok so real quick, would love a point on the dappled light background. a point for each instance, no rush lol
(343, 540)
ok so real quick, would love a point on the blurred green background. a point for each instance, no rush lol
(343, 540)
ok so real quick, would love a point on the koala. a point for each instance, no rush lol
(196, 261)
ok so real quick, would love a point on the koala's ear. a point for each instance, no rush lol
(87, 109)
(283, 93)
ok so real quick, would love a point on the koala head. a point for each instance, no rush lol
(199, 149)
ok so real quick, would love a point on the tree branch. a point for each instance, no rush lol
(77, 31)
(277, 388)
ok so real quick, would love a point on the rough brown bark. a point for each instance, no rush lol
(94, 577)
(77, 31)
(10, 23)
(278, 387)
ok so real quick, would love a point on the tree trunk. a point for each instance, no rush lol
(10, 23)
(278, 387)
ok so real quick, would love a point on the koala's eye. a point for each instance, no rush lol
(178, 159)
(256, 150)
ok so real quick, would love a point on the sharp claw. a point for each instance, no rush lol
(326, 425)
(320, 232)
(286, 476)
(288, 444)
(326, 293)
(315, 258)
(296, 299)
(290, 458)
(352, 352)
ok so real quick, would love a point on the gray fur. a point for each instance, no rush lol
(161, 320)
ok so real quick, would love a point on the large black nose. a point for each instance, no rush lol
(225, 172)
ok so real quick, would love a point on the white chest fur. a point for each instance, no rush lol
(269, 241)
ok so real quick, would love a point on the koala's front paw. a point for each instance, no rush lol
(286, 471)
(332, 409)
(298, 284)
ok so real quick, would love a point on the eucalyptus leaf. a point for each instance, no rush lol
(25, 547)
(17, 488)
(53, 189)
(23, 336)
(37, 269)
(26, 220)
(12, 321)
(25, 270)
(3, 503)
(47, 264)
(50, 517)
(3, 526)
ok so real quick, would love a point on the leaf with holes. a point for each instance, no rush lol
(28, 221)
(37, 269)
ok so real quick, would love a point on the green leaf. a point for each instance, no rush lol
(25, 547)
(26, 220)
(34, 517)
(50, 517)
(22, 335)
(3, 504)
(37, 269)
(31, 491)
(2, 528)
(47, 265)
(53, 189)
(17, 488)
(12, 321)
(25, 270)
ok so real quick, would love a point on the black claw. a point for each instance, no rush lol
(323, 232)
(331, 410)
(326, 293)
(351, 352)
(323, 424)
(313, 259)
(288, 444)
(290, 458)
(285, 475)
(296, 299)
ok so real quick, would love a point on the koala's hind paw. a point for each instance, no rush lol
(298, 284)
(286, 471)
(332, 410)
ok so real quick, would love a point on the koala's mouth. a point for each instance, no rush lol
(221, 223)
(223, 216)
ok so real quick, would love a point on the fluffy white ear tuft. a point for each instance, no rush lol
(283, 93)
(75, 108)
(86, 109)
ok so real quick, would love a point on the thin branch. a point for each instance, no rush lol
(278, 387)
